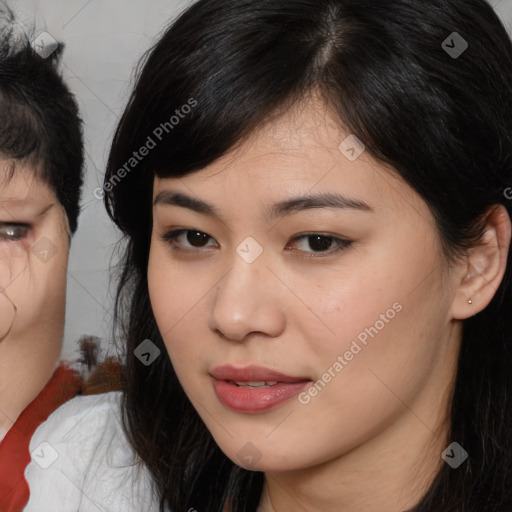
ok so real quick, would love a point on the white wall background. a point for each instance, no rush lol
(104, 40)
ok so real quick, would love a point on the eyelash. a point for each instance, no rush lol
(13, 226)
(342, 244)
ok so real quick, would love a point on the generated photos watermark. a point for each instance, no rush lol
(454, 455)
(454, 45)
(355, 348)
(249, 250)
(44, 45)
(152, 141)
(44, 455)
(352, 147)
(147, 352)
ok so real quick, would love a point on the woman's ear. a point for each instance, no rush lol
(484, 266)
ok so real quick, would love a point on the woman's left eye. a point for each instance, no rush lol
(13, 232)
(188, 238)
(320, 244)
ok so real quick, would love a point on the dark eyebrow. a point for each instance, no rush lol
(327, 200)
(177, 199)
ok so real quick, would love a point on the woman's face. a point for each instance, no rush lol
(34, 243)
(313, 274)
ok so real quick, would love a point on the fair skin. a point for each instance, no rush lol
(34, 245)
(371, 439)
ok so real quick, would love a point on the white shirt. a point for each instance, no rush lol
(82, 462)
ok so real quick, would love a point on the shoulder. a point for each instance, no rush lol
(81, 460)
(89, 410)
(85, 422)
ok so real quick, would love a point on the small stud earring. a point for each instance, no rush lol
(470, 301)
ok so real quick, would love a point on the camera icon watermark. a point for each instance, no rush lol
(454, 45)
(351, 147)
(249, 455)
(454, 455)
(44, 455)
(147, 352)
(44, 45)
(249, 250)
(44, 249)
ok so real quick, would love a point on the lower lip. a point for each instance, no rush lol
(254, 400)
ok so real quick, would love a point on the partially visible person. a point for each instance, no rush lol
(41, 174)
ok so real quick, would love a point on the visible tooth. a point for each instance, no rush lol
(256, 384)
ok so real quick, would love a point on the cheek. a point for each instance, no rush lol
(386, 322)
(344, 306)
(33, 286)
(178, 302)
(7, 309)
(176, 297)
(13, 263)
(383, 352)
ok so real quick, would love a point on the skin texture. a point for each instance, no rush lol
(32, 288)
(371, 439)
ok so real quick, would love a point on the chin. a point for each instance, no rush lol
(267, 460)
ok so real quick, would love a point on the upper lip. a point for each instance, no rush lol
(252, 374)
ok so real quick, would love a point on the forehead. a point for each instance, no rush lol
(300, 151)
(298, 144)
(21, 185)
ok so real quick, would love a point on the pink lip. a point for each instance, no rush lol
(254, 400)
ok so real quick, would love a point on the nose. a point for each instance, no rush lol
(247, 301)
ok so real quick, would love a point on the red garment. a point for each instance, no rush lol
(14, 449)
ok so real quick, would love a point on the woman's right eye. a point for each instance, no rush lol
(188, 239)
(13, 232)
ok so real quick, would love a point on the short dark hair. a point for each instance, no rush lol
(443, 122)
(39, 119)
